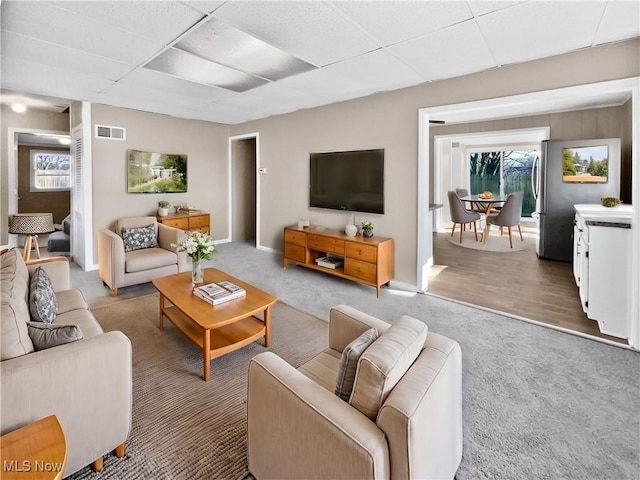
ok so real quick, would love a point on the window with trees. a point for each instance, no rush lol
(50, 171)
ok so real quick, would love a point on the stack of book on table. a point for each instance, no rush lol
(216, 293)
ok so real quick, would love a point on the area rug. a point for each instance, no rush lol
(495, 242)
(184, 427)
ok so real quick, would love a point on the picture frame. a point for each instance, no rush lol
(152, 172)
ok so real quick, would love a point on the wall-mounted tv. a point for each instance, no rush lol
(351, 181)
(585, 164)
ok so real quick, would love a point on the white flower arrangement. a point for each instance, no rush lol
(198, 246)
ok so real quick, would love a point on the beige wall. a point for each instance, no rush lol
(204, 143)
(390, 121)
(58, 203)
(31, 119)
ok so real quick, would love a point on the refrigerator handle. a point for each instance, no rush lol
(534, 180)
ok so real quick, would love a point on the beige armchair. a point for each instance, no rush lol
(120, 269)
(299, 428)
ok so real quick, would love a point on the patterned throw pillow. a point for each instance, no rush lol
(139, 238)
(349, 363)
(44, 335)
(43, 304)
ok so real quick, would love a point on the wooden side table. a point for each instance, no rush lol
(36, 451)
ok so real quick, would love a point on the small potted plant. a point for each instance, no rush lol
(367, 228)
(163, 208)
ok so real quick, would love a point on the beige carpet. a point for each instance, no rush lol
(495, 242)
(183, 427)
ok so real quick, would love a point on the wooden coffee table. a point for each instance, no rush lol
(36, 451)
(219, 329)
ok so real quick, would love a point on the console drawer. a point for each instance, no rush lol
(363, 270)
(294, 252)
(326, 244)
(200, 221)
(295, 237)
(181, 223)
(359, 251)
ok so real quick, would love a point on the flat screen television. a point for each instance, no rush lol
(351, 181)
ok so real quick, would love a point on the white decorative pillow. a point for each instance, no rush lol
(44, 335)
(383, 364)
(43, 304)
(349, 363)
(139, 238)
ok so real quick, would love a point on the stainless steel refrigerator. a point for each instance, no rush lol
(569, 173)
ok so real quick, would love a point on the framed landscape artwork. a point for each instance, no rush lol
(149, 172)
(585, 164)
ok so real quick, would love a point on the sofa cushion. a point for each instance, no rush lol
(322, 369)
(148, 259)
(69, 300)
(12, 265)
(43, 304)
(82, 318)
(349, 363)
(137, 238)
(384, 363)
(14, 336)
(45, 335)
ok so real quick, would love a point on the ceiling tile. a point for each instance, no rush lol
(161, 21)
(377, 70)
(18, 46)
(151, 79)
(221, 43)
(312, 31)
(205, 6)
(196, 69)
(482, 7)
(551, 28)
(455, 51)
(36, 19)
(621, 19)
(390, 24)
(137, 92)
(23, 76)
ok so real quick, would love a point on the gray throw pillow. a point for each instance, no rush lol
(139, 238)
(45, 335)
(43, 304)
(349, 363)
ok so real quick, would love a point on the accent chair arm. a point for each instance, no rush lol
(297, 429)
(111, 258)
(346, 324)
(168, 235)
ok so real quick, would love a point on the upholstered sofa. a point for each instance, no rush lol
(86, 383)
(122, 265)
(400, 417)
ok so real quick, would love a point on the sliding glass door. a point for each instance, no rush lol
(502, 172)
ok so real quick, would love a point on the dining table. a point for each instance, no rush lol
(483, 205)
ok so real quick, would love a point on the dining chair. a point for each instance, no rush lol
(473, 207)
(460, 215)
(508, 216)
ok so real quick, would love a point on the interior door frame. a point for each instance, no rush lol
(12, 170)
(512, 105)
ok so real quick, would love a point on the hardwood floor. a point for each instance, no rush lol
(518, 283)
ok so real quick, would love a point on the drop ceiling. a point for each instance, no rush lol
(236, 61)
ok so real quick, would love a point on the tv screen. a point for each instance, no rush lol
(351, 181)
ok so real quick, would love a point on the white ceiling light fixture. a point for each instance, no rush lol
(18, 107)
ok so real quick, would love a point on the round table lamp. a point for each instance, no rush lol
(31, 225)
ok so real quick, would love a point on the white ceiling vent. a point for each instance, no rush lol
(114, 133)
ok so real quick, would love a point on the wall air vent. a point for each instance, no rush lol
(114, 133)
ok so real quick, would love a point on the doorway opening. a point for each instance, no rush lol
(244, 187)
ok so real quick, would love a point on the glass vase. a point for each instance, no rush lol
(197, 276)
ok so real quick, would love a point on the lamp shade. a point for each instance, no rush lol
(31, 223)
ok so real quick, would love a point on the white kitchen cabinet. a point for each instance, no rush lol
(602, 248)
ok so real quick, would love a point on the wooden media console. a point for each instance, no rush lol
(367, 260)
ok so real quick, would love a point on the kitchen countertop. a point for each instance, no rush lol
(597, 215)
